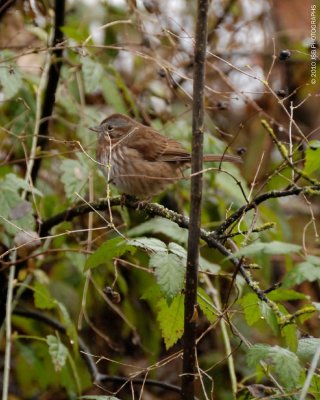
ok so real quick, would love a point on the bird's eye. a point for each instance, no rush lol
(109, 128)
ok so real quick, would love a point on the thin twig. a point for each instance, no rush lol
(88, 358)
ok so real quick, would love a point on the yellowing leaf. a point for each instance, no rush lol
(170, 318)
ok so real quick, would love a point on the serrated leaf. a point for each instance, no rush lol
(93, 73)
(313, 260)
(13, 208)
(57, 351)
(110, 249)
(307, 348)
(14, 183)
(10, 77)
(204, 264)
(251, 307)
(74, 176)
(152, 245)
(178, 250)
(17, 211)
(304, 271)
(42, 297)
(170, 318)
(169, 271)
(163, 226)
(267, 248)
(312, 155)
(285, 363)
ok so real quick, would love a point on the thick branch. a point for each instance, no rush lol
(52, 84)
(190, 334)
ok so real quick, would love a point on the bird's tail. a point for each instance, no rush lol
(221, 158)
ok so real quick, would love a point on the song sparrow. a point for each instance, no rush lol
(140, 161)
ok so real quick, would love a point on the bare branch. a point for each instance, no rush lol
(52, 84)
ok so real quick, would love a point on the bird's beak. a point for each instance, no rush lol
(95, 128)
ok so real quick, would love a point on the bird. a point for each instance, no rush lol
(138, 160)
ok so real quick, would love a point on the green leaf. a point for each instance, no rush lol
(312, 155)
(58, 352)
(285, 363)
(110, 249)
(163, 226)
(251, 307)
(204, 264)
(169, 271)
(208, 266)
(305, 271)
(267, 248)
(13, 182)
(170, 319)
(13, 208)
(290, 335)
(206, 306)
(73, 32)
(178, 250)
(93, 74)
(113, 95)
(268, 314)
(42, 297)
(128, 96)
(314, 389)
(149, 244)
(10, 76)
(74, 177)
(307, 348)
(286, 295)
(68, 324)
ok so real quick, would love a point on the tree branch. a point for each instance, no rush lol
(260, 199)
(211, 238)
(52, 84)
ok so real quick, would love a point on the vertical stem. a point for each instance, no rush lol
(7, 357)
(189, 339)
(52, 84)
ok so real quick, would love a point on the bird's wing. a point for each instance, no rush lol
(153, 146)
